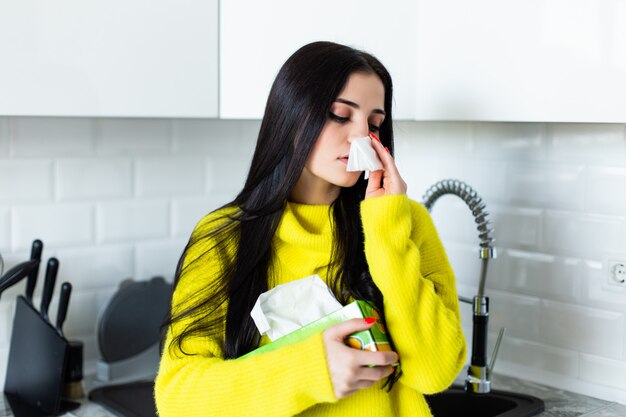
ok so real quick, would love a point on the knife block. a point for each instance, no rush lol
(37, 364)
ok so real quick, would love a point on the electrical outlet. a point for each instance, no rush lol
(617, 273)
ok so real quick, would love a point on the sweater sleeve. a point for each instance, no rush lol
(409, 265)
(282, 382)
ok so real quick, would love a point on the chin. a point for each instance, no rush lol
(348, 181)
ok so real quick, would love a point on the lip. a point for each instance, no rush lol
(343, 159)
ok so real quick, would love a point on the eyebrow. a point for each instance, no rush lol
(356, 106)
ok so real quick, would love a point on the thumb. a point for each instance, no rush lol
(342, 330)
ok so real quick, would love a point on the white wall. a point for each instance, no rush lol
(117, 198)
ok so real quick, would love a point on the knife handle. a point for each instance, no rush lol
(35, 254)
(48, 289)
(64, 300)
(16, 274)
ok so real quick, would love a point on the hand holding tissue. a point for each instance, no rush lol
(292, 312)
(363, 157)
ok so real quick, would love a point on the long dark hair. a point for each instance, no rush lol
(297, 108)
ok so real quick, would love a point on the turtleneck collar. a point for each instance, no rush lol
(313, 218)
(304, 238)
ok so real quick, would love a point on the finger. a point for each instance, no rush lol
(342, 330)
(374, 374)
(347, 393)
(367, 358)
(383, 154)
(373, 183)
(385, 157)
(362, 384)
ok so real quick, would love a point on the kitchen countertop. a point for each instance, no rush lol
(558, 403)
(86, 409)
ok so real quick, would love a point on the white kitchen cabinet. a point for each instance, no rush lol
(522, 60)
(257, 37)
(150, 58)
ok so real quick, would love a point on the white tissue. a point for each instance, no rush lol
(363, 157)
(287, 307)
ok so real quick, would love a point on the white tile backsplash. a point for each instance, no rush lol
(158, 258)
(167, 176)
(249, 133)
(4, 353)
(132, 220)
(133, 136)
(546, 185)
(588, 143)
(4, 137)
(546, 276)
(603, 371)
(466, 264)
(418, 172)
(91, 351)
(117, 198)
(596, 291)
(52, 136)
(187, 211)
(436, 138)
(510, 141)
(63, 224)
(588, 330)
(27, 180)
(454, 221)
(538, 356)
(520, 314)
(487, 178)
(584, 235)
(517, 227)
(6, 321)
(226, 175)
(606, 189)
(216, 137)
(82, 312)
(96, 267)
(5, 229)
(94, 178)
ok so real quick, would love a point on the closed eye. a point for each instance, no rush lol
(338, 119)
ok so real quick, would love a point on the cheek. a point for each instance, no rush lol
(315, 156)
(322, 146)
(330, 136)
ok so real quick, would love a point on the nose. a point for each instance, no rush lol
(359, 131)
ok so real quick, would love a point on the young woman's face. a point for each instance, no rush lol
(357, 111)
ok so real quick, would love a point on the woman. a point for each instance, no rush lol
(301, 213)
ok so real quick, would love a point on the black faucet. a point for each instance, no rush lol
(478, 379)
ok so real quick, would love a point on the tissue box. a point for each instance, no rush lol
(374, 339)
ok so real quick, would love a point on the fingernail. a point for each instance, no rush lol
(369, 320)
(373, 136)
(388, 151)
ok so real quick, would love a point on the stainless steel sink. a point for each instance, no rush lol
(455, 402)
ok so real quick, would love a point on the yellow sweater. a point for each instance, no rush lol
(407, 263)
